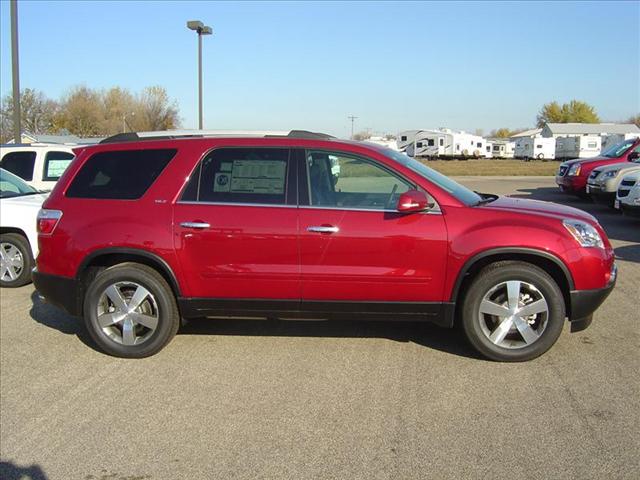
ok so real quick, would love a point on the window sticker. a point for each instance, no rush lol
(226, 167)
(256, 176)
(55, 168)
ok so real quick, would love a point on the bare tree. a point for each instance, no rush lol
(156, 111)
(38, 113)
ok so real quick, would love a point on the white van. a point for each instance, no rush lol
(38, 164)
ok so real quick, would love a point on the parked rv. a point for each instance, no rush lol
(503, 148)
(536, 148)
(447, 143)
(584, 146)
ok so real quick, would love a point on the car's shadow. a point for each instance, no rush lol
(617, 226)
(425, 334)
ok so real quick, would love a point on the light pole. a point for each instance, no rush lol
(201, 29)
(17, 129)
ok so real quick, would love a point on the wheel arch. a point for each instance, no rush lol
(553, 265)
(108, 257)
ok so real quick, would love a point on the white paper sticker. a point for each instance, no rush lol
(55, 168)
(258, 176)
(226, 166)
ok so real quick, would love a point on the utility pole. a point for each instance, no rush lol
(17, 128)
(353, 119)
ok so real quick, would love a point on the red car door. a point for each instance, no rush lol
(235, 226)
(355, 248)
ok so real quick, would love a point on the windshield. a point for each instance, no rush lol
(619, 149)
(13, 186)
(466, 196)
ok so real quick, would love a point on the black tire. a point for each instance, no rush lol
(168, 318)
(483, 283)
(21, 243)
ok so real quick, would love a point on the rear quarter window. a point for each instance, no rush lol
(55, 163)
(123, 175)
(20, 164)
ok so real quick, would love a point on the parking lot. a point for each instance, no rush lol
(262, 399)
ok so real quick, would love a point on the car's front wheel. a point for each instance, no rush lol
(16, 260)
(513, 311)
(130, 311)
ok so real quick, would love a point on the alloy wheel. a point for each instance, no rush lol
(11, 262)
(513, 314)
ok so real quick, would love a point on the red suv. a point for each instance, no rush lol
(572, 175)
(143, 231)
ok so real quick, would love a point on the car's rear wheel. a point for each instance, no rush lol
(513, 312)
(130, 311)
(16, 260)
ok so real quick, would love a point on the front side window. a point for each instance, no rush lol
(121, 175)
(20, 164)
(55, 163)
(341, 180)
(241, 175)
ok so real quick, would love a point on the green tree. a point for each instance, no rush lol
(574, 111)
(501, 133)
(155, 111)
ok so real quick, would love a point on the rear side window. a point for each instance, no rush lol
(241, 175)
(124, 175)
(55, 163)
(20, 164)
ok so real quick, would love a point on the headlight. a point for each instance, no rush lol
(585, 234)
(574, 170)
(611, 174)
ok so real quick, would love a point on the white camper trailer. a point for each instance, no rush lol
(406, 138)
(503, 148)
(488, 149)
(382, 142)
(614, 138)
(538, 148)
(446, 143)
(583, 146)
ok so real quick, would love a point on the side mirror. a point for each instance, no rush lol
(412, 201)
(633, 156)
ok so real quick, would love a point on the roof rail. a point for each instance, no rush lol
(171, 134)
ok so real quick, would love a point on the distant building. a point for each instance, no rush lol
(556, 130)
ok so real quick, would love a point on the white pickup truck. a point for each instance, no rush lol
(40, 165)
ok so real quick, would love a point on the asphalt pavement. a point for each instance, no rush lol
(347, 400)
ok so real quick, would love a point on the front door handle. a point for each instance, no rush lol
(323, 229)
(197, 225)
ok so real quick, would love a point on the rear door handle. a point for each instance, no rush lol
(323, 229)
(197, 225)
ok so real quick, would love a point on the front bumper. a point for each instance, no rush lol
(59, 291)
(570, 183)
(585, 302)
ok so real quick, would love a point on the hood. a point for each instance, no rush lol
(588, 160)
(619, 166)
(28, 200)
(538, 207)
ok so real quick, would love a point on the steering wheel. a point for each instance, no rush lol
(388, 203)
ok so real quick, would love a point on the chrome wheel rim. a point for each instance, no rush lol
(127, 313)
(11, 262)
(513, 314)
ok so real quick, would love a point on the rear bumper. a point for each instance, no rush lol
(59, 291)
(585, 302)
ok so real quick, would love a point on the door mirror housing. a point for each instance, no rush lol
(412, 201)
(633, 156)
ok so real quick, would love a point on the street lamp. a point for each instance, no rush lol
(202, 29)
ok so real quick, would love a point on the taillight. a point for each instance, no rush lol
(47, 220)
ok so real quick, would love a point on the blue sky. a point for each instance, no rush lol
(288, 65)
